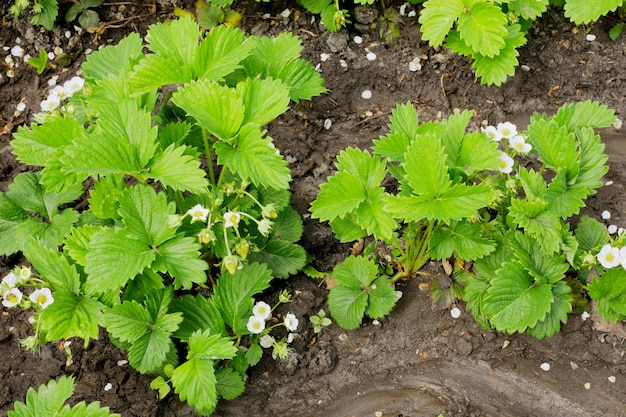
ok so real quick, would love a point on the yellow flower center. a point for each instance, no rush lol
(12, 298)
(41, 299)
(610, 257)
(233, 219)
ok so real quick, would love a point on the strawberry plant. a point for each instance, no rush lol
(181, 190)
(465, 196)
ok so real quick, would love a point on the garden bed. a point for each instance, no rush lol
(419, 360)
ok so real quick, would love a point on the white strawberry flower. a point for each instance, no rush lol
(256, 324)
(291, 322)
(73, 85)
(12, 297)
(198, 213)
(609, 256)
(492, 133)
(507, 129)
(262, 310)
(519, 144)
(231, 218)
(506, 163)
(51, 103)
(42, 296)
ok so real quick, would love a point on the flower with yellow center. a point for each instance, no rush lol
(231, 218)
(12, 297)
(506, 163)
(42, 297)
(198, 213)
(609, 256)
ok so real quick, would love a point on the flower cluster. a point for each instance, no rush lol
(507, 131)
(237, 246)
(13, 296)
(261, 314)
(59, 93)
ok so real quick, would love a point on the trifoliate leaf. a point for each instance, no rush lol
(560, 308)
(220, 53)
(459, 202)
(114, 259)
(514, 301)
(47, 400)
(590, 234)
(233, 294)
(303, 80)
(222, 111)
(437, 18)
(41, 143)
(113, 61)
(382, 298)
(53, 267)
(251, 156)
(347, 306)
(496, 69)
(230, 384)
(464, 239)
(71, 315)
(144, 214)
(176, 169)
(356, 272)
(199, 313)
(582, 12)
(284, 258)
(425, 167)
(180, 257)
(609, 291)
(483, 28)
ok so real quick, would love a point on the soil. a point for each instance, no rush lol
(418, 361)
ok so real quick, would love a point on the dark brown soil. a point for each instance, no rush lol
(418, 361)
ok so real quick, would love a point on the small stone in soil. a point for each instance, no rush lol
(612, 379)
(587, 385)
(366, 94)
(455, 313)
(545, 366)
